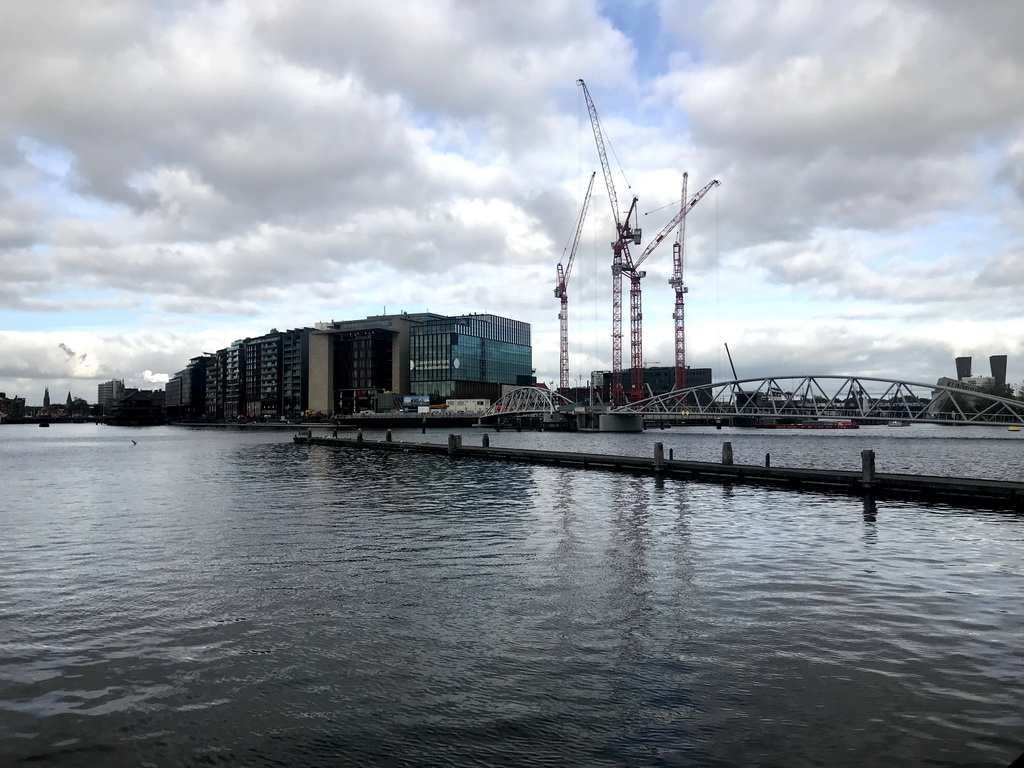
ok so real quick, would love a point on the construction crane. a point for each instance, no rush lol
(621, 259)
(561, 293)
(635, 276)
(676, 281)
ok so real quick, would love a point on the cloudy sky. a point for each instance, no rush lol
(178, 175)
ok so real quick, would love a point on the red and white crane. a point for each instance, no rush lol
(621, 259)
(561, 293)
(676, 281)
(622, 263)
(636, 275)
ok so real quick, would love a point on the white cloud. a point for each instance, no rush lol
(176, 178)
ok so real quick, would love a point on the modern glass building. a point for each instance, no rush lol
(469, 356)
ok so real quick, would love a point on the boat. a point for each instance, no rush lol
(44, 423)
(898, 423)
(792, 424)
(1014, 428)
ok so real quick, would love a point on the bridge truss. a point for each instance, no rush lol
(527, 400)
(862, 398)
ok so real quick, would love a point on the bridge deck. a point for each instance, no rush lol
(960, 491)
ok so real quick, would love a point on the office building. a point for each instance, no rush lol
(469, 356)
(371, 364)
(107, 395)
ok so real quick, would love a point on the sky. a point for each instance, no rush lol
(176, 176)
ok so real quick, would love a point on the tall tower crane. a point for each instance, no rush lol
(560, 293)
(636, 275)
(621, 259)
(622, 263)
(676, 281)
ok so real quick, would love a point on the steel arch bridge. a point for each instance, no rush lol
(863, 398)
(527, 401)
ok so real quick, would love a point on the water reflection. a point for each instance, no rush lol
(870, 518)
(230, 601)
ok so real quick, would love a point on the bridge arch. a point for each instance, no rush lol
(524, 401)
(863, 398)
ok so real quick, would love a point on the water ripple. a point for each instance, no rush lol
(238, 600)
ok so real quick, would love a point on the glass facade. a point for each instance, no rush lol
(469, 356)
(362, 368)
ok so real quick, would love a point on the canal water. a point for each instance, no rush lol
(174, 597)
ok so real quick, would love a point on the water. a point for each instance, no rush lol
(206, 598)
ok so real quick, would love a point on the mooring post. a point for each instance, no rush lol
(334, 434)
(454, 443)
(309, 435)
(487, 440)
(519, 423)
(767, 459)
(670, 450)
(867, 463)
(727, 453)
(718, 423)
(659, 457)
(423, 429)
(359, 435)
(387, 436)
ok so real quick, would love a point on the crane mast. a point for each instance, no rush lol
(561, 293)
(676, 282)
(621, 259)
(637, 373)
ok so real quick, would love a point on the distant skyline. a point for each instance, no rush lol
(174, 177)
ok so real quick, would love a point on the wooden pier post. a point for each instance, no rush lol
(670, 450)
(659, 457)
(867, 471)
(727, 453)
(423, 429)
(767, 459)
(487, 440)
(334, 434)
(387, 436)
(359, 435)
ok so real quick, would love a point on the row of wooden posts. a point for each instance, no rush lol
(867, 457)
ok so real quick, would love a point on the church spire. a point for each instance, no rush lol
(46, 398)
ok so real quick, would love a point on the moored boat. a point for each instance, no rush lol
(792, 424)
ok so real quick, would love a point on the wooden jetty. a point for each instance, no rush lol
(959, 491)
